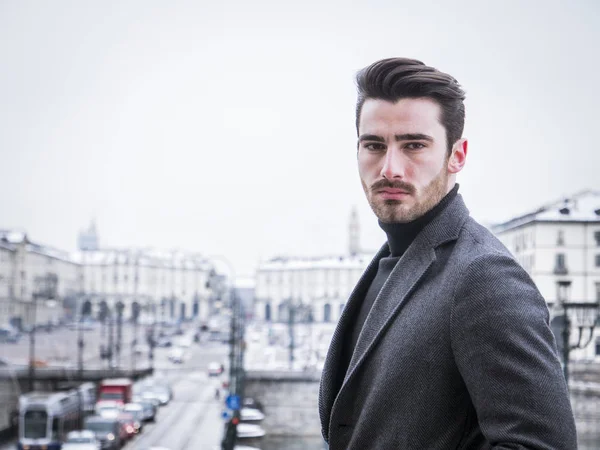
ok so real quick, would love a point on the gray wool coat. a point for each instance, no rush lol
(456, 352)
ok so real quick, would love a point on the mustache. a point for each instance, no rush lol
(384, 183)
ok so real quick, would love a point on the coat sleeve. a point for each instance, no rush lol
(507, 357)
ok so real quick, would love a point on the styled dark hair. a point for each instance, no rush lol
(395, 78)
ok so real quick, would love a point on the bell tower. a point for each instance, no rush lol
(88, 239)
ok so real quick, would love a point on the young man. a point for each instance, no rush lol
(444, 343)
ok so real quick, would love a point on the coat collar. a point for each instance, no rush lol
(403, 280)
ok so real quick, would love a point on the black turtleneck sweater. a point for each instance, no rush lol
(400, 236)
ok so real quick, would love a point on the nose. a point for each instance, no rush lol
(393, 166)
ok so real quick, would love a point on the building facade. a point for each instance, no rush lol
(40, 284)
(322, 285)
(7, 304)
(165, 285)
(559, 246)
(35, 281)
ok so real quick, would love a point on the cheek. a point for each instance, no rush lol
(427, 171)
(366, 165)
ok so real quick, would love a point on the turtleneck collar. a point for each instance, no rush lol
(401, 235)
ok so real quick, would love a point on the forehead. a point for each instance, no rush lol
(407, 115)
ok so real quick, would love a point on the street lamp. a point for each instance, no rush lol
(38, 293)
(304, 314)
(135, 315)
(80, 344)
(580, 315)
(103, 317)
(44, 287)
(235, 355)
(119, 307)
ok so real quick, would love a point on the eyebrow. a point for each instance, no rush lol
(398, 137)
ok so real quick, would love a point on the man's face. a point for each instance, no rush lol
(402, 157)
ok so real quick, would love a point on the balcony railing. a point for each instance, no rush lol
(560, 270)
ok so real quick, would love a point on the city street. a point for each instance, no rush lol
(192, 420)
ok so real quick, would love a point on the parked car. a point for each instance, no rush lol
(128, 422)
(107, 430)
(81, 440)
(251, 415)
(137, 411)
(252, 403)
(152, 397)
(176, 355)
(149, 407)
(141, 349)
(108, 408)
(163, 393)
(215, 369)
(154, 389)
(248, 430)
(164, 341)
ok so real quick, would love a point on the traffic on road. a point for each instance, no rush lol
(174, 409)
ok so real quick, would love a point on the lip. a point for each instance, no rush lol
(392, 194)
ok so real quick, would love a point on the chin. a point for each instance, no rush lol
(394, 216)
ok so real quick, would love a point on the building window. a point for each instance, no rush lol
(597, 238)
(563, 293)
(560, 267)
(560, 240)
(597, 346)
(598, 292)
(327, 313)
(597, 260)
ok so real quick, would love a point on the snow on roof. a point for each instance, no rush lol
(13, 236)
(173, 259)
(359, 261)
(10, 238)
(581, 207)
(7, 246)
(49, 251)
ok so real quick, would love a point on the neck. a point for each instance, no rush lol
(401, 235)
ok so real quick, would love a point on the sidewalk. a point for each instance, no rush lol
(209, 430)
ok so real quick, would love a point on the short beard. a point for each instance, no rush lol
(392, 211)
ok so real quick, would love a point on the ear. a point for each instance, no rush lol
(458, 157)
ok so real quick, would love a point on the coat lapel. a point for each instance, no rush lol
(403, 280)
(330, 384)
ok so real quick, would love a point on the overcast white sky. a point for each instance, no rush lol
(228, 127)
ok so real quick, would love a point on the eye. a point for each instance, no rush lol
(414, 146)
(375, 146)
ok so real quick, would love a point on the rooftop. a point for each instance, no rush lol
(143, 257)
(323, 262)
(12, 236)
(583, 206)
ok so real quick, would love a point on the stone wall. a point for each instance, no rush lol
(289, 400)
(585, 401)
(290, 403)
